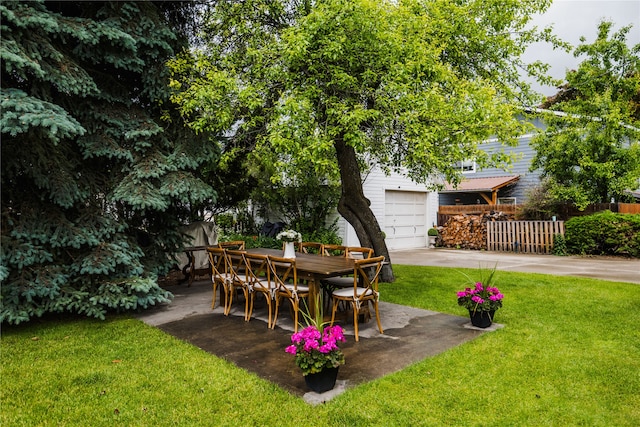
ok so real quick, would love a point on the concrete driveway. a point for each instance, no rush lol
(606, 268)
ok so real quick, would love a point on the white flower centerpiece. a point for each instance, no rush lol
(289, 237)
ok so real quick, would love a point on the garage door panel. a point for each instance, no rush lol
(405, 219)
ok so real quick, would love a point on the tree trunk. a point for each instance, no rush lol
(355, 207)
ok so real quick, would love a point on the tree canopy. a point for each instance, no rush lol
(411, 86)
(590, 151)
(97, 171)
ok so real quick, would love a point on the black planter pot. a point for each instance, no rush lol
(322, 381)
(481, 319)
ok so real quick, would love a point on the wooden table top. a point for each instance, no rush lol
(326, 266)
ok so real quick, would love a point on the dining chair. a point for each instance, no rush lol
(334, 250)
(238, 272)
(311, 248)
(259, 281)
(366, 273)
(355, 252)
(237, 245)
(284, 276)
(220, 275)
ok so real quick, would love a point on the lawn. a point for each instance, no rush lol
(569, 354)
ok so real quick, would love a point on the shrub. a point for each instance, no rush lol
(604, 233)
(559, 245)
(258, 241)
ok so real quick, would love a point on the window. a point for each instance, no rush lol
(467, 166)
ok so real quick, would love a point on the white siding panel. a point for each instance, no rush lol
(412, 228)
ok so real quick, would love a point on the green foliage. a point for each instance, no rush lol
(559, 245)
(591, 151)
(324, 235)
(97, 173)
(540, 203)
(604, 233)
(303, 201)
(407, 86)
(432, 232)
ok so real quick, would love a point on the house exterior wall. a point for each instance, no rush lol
(524, 154)
(375, 187)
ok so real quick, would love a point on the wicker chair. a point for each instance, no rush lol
(364, 290)
(311, 248)
(259, 281)
(220, 275)
(238, 271)
(284, 276)
(237, 245)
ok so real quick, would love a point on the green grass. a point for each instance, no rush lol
(569, 354)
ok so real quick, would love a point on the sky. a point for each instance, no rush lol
(572, 19)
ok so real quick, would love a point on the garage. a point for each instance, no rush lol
(405, 223)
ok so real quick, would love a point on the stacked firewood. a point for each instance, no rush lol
(467, 231)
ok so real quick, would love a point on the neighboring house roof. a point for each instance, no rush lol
(635, 194)
(482, 185)
(473, 185)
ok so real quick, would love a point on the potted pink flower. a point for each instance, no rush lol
(482, 300)
(317, 353)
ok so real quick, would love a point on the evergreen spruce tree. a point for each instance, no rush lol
(96, 176)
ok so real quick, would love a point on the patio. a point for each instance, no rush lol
(410, 335)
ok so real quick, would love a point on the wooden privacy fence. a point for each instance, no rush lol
(523, 236)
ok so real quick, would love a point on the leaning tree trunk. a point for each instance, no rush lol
(356, 209)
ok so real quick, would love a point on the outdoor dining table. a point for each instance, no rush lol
(313, 268)
(189, 270)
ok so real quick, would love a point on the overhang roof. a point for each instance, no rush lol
(476, 185)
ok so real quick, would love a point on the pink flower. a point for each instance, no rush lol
(296, 338)
(292, 349)
(462, 294)
(477, 299)
(310, 345)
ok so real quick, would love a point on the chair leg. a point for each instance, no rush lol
(225, 288)
(268, 299)
(253, 297)
(245, 291)
(355, 320)
(375, 306)
(275, 315)
(229, 303)
(333, 310)
(213, 300)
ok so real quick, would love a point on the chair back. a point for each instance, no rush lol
(218, 262)
(357, 252)
(283, 271)
(257, 269)
(237, 245)
(311, 248)
(366, 273)
(237, 266)
(334, 250)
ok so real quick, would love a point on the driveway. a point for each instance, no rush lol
(597, 267)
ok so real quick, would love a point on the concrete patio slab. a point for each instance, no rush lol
(410, 335)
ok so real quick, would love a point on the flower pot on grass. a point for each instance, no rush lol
(482, 300)
(322, 381)
(316, 351)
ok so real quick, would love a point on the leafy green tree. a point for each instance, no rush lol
(94, 183)
(344, 85)
(590, 151)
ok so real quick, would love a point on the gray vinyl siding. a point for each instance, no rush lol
(523, 153)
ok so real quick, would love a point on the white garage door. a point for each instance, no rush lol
(405, 217)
